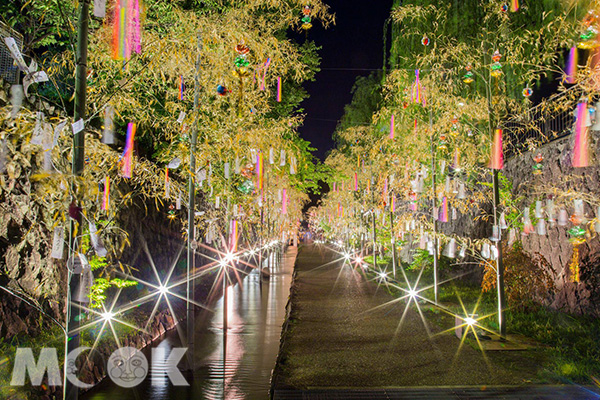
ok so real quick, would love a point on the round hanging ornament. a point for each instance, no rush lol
(538, 166)
(527, 92)
(468, 76)
(425, 40)
(222, 90)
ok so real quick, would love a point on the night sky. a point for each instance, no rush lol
(351, 48)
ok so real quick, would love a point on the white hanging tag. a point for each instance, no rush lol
(58, 243)
(226, 167)
(271, 156)
(174, 163)
(237, 165)
(37, 136)
(57, 131)
(99, 8)
(96, 240)
(36, 77)
(217, 202)
(16, 99)
(16, 53)
(178, 202)
(181, 117)
(77, 126)
(108, 136)
(443, 166)
(282, 158)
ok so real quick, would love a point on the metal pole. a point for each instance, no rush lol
(434, 205)
(374, 227)
(191, 217)
(499, 264)
(70, 391)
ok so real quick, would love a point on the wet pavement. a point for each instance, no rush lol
(339, 342)
(236, 365)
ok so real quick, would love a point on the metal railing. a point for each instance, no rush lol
(548, 121)
(8, 69)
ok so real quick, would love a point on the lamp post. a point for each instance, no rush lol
(433, 216)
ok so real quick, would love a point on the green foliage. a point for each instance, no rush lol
(366, 100)
(101, 285)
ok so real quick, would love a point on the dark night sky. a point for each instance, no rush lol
(351, 48)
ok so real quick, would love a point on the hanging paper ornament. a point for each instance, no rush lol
(461, 192)
(540, 228)
(502, 223)
(392, 127)
(443, 144)
(580, 149)
(178, 202)
(463, 251)
(260, 169)
(425, 40)
(497, 157)
(222, 90)
(527, 92)
(496, 67)
(577, 238)
(538, 166)
(284, 202)
(306, 19)
(126, 30)
(550, 211)
(468, 76)
(495, 233)
(527, 225)
(171, 214)
(282, 158)
(563, 217)
(538, 209)
(504, 7)
(571, 67)
(485, 251)
(450, 250)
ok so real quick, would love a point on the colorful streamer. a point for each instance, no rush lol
(260, 170)
(279, 89)
(233, 235)
(126, 30)
(167, 185)
(443, 217)
(497, 158)
(355, 182)
(514, 6)
(417, 95)
(392, 128)
(571, 67)
(263, 78)
(181, 87)
(284, 202)
(393, 204)
(580, 149)
(106, 197)
(127, 157)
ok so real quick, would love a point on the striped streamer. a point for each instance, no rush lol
(279, 89)
(355, 181)
(181, 87)
(497, 157)
(443, 217)
(392, 127)
(260, 170)
(263, 78)
(106, 198)
(127, 157)
(571, 67)
(284, 202)
(580, 148)
(514, 5)
(417, 95)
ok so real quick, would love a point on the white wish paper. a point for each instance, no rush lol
(181, 117)
(77, 126)
(57, 131)
(35, 77)
(96, 240)
(15, 53)
(226, 167)
(282, 158)
(58, 243)
(175, 163)
(99, 8)
(16, 99)
(108, 136)
(37, 137)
